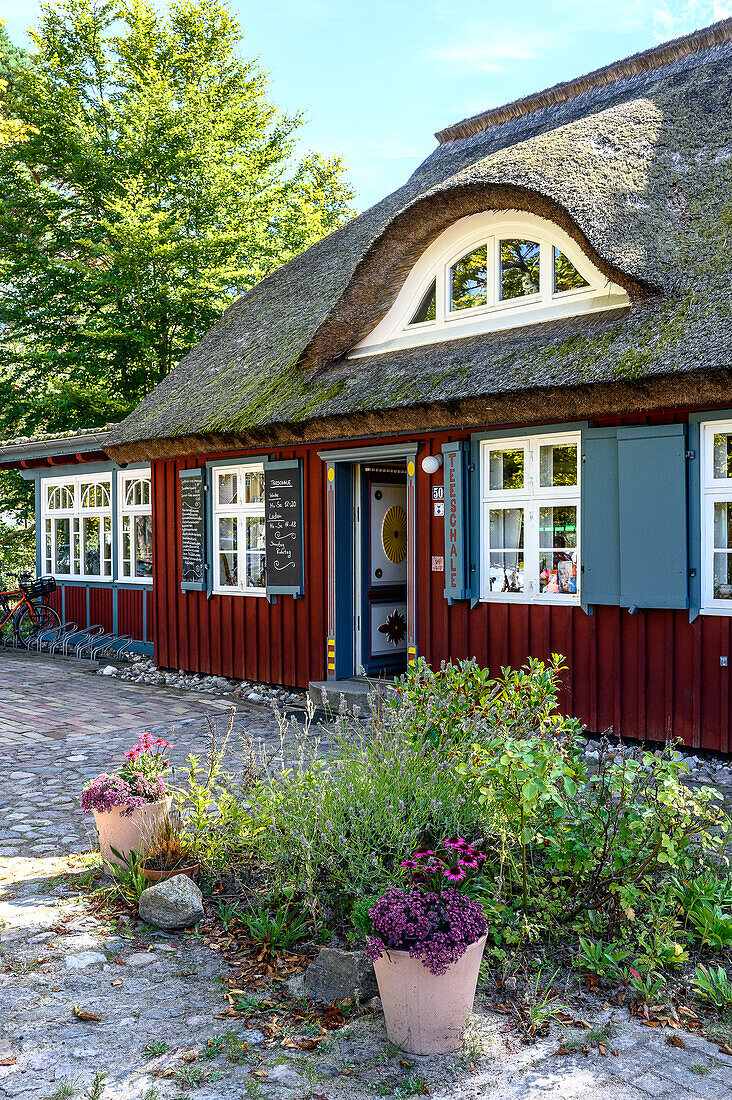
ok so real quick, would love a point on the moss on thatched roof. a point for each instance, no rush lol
(637, 167)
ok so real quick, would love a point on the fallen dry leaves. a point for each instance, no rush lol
(87, 1017)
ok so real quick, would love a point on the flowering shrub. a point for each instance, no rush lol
(108, 791)
(436, 928)
(139, 782)
(453, 862)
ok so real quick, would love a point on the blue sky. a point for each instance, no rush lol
(378, 78)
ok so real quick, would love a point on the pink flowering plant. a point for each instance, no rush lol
(436, 928)
(140, 780)
(451, 863)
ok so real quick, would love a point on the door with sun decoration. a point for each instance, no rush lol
(384, 574)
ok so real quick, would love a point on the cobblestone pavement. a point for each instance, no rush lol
(71, 725)
(151, 986)
(44, 698)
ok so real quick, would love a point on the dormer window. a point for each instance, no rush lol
(469, 281)
(489, 272)
(427, 307)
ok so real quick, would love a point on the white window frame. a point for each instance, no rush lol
(467, 234)
(124, 511)
(713, 491)
(240, 511)
(75, 515)
(532, 497)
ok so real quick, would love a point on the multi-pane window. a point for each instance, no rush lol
(530, 524)
(135, 530)
(238, 520)
(716, 440)
(77, 526)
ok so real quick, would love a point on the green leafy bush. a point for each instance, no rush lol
(460, 701)
(214, 803)
(572, 840)
(601, 960)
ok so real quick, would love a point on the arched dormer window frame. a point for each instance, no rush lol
(397, 330)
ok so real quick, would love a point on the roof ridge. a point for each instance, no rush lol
(653, 58)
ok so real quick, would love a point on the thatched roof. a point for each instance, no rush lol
(634, 161)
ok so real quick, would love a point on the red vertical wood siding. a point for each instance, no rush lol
(650, 675)
(100, 607)
(129, 612)
(76, 606)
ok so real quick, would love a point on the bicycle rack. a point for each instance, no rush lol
(86, 639)
(78, 638)
(91, 642)
(114, 645)
(45, 637)
(96, 642)
(66, 630)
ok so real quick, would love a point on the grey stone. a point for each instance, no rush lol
(83, 959)
(248, 1035)
(285, 1076)
(110, 670)
(176, 903)
(336, 975)
(141, 958)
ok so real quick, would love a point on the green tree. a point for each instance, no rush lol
(10, 58)
(158, 184)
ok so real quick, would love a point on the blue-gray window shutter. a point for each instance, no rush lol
(599, 518)
(457, 520)
(652, 507)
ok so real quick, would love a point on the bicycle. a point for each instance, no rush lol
(31, 613)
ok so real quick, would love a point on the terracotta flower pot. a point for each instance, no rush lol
(160, 876)
(425, 1013)
(126, 832)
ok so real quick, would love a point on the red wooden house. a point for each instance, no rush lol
(490, 416)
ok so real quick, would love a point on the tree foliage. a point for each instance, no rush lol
(157, 184)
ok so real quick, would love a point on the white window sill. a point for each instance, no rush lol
(561, 601)
(65, 578)
(717, 610)
(134, 580)
(240, 591)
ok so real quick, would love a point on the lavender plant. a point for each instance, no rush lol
(339, 816)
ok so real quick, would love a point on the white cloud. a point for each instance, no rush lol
(496, 55)
(672, 19)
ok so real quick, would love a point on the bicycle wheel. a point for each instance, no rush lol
(27, 625)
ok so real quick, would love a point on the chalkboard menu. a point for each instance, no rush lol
(284, 527)
(192, 530)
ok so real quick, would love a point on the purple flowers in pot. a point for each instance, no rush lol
(140, 780)
(109, 791)
(436, 928)
(432, 920)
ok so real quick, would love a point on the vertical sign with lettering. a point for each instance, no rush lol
(283, 527)
(457, 512)
(192, 527)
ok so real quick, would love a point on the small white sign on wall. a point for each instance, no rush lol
(439, 509)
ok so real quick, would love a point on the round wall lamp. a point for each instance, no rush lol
(431, 463)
